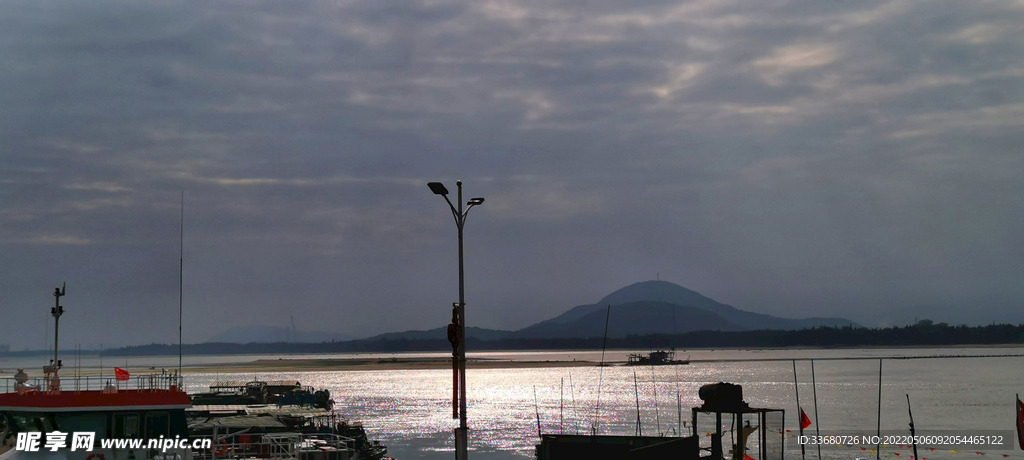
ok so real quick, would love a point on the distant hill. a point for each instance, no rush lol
(272, 334)
(649, 307)
(633, 318)
(670, 293)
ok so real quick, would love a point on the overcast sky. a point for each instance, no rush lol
(788, 157)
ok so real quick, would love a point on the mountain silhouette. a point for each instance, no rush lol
(694, 312)
(648, 307)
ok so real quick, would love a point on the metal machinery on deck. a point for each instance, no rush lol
(740, 432)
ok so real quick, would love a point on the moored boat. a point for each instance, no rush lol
(122, 417)
(656, 358)
(281, 408)
(78, 418)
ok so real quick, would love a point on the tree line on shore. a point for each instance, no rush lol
(924, 333)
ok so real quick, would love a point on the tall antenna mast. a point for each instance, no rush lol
(181, 271)
(56, 311)
(51, 370)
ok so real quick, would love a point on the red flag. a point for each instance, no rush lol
(1020, 423)
(804, 421)
(747, 457)
(121, 374)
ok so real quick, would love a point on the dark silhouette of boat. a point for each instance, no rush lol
(282, 392)
(723, 427)
(245, 417)
(656, 358)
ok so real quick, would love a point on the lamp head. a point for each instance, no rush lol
(475, 201)
(438, 188)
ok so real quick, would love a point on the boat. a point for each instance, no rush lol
(720, 429)
(281, 392)
(656, 358)
(50, 410)
(147, 407)
(243, 417)
(125, 416)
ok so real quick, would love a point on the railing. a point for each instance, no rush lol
(276, 445)
(73, 384)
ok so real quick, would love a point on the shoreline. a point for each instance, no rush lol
(112, 354)
(374, 364)
(399, 364)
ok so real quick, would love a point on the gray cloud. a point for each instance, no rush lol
(792, 157)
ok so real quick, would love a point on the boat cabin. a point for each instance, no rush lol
(142, 407)
(47, 416)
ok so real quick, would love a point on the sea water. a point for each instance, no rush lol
(411, 410)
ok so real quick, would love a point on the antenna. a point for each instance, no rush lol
(654, 384)
(561, 403)
(536, 409)
(600, 377)
(814, 392)
(575, 415)
(913, 432)
(878, 450)
(679, 409)
(56, 311)
(800, 411)
(636, 391)
(293, 328)
(181, 274)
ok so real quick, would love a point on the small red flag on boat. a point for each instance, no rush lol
(1020, 422)
(121, 374)
(804, 420)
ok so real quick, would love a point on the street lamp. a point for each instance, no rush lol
(457, 330)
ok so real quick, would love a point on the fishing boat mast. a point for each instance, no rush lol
(52, 369)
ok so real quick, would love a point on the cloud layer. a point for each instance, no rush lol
(790, 157)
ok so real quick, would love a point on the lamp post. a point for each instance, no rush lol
(457, 330)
